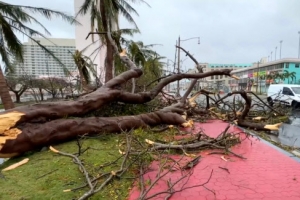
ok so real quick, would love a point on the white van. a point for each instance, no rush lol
(285, 93)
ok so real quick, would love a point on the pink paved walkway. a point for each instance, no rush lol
(266, 174)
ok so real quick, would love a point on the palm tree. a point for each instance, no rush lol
(289, 75)
(105, 18)
(279, 76)
(84, 66)
(15, 19)
(139, 53)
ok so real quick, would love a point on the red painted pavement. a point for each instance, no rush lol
(266, 174)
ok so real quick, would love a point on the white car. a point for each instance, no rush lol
(284, 93)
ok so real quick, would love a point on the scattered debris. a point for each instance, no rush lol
(11, 167)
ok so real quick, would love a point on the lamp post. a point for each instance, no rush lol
(280, 48)
(275, 52)
(257, 76)
(271, 55)
(178, 60)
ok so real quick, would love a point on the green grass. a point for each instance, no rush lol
(25, 182)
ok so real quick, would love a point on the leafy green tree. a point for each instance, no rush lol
(15, 19)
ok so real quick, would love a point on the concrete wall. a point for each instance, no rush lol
(293, 67)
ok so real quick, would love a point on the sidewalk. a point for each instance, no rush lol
(268, 173)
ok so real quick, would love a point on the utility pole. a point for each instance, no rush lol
(271, 55)
(275, 52)
(178, 62)
(178, 67)
(257, 76)
(280, 48)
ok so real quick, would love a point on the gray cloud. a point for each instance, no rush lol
(231, 31)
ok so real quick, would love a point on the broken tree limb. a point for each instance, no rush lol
(43, 112)
(34, 135)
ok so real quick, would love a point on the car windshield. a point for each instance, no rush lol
(296, 90)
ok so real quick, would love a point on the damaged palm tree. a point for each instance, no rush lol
(84, 69)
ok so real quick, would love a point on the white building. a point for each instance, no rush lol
(89, 47)
(38, 63)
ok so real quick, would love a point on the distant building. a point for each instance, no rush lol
(217, 81)
(38, 63)
(254, 78)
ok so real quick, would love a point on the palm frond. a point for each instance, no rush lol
(9, 39)
(86, 6)
(48, 13)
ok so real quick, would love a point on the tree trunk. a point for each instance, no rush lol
(28, 137)
(41, 94)
(109, 60)
(61, 93)
(4, 93)
(18, 97)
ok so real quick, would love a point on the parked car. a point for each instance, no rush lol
(284, 93)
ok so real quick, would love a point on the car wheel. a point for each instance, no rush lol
(294, 104)
(270, 101)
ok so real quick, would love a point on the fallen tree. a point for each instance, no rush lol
(29, 127)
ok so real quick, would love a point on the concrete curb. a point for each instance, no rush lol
(289, 154)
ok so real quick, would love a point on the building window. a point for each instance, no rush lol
(297, 65)
(287, 65)
(212, 77)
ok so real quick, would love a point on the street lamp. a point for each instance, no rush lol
(257, 71)
(275, 52)
(271, 55)
(178, 64)
(280, 48)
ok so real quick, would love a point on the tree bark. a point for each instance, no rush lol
(41, 94)
(109, 60)
(30, 136)
(18, 97)
(4, 93)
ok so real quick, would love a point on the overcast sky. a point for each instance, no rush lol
(231, 31)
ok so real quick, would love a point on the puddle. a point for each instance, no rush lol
(289, 132)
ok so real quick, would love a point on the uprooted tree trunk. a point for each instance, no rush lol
(26, 128)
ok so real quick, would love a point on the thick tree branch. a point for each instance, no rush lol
(191, 57)
(29, 136)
